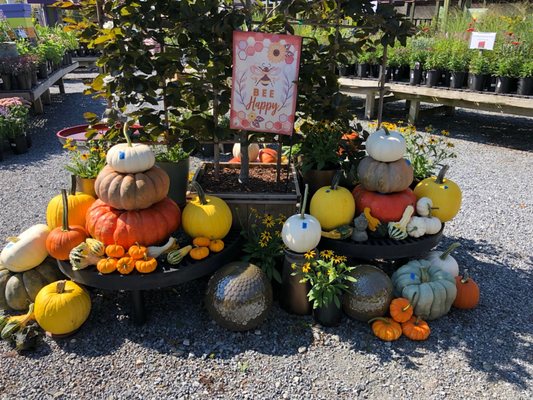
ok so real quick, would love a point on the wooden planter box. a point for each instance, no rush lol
(241, 203)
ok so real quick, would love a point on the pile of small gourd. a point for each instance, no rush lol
(255, 154)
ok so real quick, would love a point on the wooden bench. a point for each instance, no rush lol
(86, 62)
(447, 98)
(41, 93)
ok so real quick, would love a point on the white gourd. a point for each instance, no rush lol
(424, 206)
(27, 250)
(416, 227)
(156, 251)
(386, 146)
(301, 232)
(253, 151)
(433, 225)
(444, 260)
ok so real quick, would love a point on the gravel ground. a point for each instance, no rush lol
(180, 353)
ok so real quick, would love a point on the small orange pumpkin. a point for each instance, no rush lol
(386, 328)
(467, 292)
(107, 265)
(137, 251)
(401, 310)
(416, 329)
(115, 251)
(201, 242)
(146, 265)
(268, 155)
(216, 245)
(125, 265)
(199, 253)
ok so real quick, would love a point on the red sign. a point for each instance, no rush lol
(264, 85)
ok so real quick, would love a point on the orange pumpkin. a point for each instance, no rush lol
(268, 155)
(125, 265)
(401, 310)
(61, 240)
(467, 292)
(416, 329)
(146, 265)
(386, 328)
(385, 207)
(216, 246)
(115, 251)
(235, 160)
(106, 265)
(137, 251)
(150, 226)
(199, 253)
(201, 241)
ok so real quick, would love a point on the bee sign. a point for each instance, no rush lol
(264, 84)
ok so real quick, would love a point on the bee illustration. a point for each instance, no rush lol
(288, 52)
(256, 121)
(264, 74)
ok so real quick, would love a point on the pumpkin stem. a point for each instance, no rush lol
(64, 197)
(200, 192)
(60, 287)
(404, 309)
(466, 277)
(304, 203)
(440, 176)
(73, 185)
(335, 180)
(447, 252)
(382, 319)
(126, 135)
(386, 130)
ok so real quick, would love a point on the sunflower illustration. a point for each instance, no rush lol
(276, 53)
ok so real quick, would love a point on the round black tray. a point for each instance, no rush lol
(165, 275)
(384, 248)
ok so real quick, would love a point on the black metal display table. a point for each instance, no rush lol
(383, 248)
(164, 276)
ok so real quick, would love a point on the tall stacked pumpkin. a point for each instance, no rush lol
(384, 177)
(133, 206)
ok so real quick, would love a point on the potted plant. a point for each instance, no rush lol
(318, 155)
(478, 67)
(7, 66)
(14, 124)
(525, 83)
(458, 60)
(327, 274)
(436, 62)
(24, 71)
(86, 163)
(398, 62)
(263, 245)
(174, 160)
(506, 71)
(418, 53)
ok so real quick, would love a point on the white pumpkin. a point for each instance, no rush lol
(416, 227)
(424, 206)
(386, 146)
(130, 158)
(27, 250)
(433, 225)
(301, 232)
(444, 260)
(253, 151)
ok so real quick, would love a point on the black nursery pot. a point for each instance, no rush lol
(329, 315)
(504, 84)
(476, 82)
(415, 75)
(432, 77)
(7, 82)
(24, 80)
(457, 80)
(19, 144)
(445, 78)
(525, 86)
(363, 70)
(42, 72)
(375, 70)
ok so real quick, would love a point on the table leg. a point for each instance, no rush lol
(137, 311)
(38, 106)
(414, 108)
(61, 86)
(370, 105)
(46, 98)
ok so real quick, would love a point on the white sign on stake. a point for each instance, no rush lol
(482, 40)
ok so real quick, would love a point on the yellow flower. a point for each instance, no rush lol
(266, 236)
(444, 132)
(276, 53)
(263, 243)
(428, 128)
(432, 140)
(339, 259)
(310, 255)
(293, 266)
(84, 156)
(306, 267)
(326, 254)
(450, 144)
(103, 155)
(268, 221)
(93, 150)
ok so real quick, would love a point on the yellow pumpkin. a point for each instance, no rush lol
(62, 307)
(206, 216)
(333, 206)
(445, 195)
(78, 204)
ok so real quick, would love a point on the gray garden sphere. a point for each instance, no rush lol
(370, 296)
(239, 296)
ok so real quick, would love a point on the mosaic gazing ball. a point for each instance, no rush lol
(370, 296)
(239, 296)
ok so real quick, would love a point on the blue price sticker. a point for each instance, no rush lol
(121, 155)
(304, 225)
